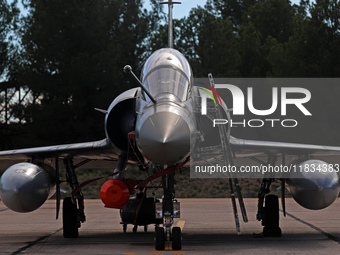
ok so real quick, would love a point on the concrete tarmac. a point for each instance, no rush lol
(208, 228)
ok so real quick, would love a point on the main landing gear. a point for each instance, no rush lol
(73, 207)
(269, 214)
(270, 220)
(71, 222)
(168, 209)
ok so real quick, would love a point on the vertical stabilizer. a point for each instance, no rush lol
(170, 3)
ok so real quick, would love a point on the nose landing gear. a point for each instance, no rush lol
(170, 210)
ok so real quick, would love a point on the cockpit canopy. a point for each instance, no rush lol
(167, 71)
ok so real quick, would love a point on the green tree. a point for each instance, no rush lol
(73, 53)
(313, 49)
(158, 37)
(272, 18)
(209, 43)
(9, 14)
(266, 26)
(8, 26)
(234, 10)
(253, 63)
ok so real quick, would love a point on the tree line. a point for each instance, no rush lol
(70, 54)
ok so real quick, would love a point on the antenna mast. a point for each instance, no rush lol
(170, 3)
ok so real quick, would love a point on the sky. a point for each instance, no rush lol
(180, 10)
(183, 9)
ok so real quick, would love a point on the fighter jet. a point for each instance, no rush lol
(156, 125)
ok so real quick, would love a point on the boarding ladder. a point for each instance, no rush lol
(222, 153)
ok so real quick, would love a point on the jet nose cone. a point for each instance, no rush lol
(164, 138)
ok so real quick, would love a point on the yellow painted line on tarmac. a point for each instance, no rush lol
(179, 252)
(159, 252)
(180, 224)
(143, 252)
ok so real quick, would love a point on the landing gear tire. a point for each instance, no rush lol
(176, 238)
(271, 217)
(159, 240)
(134, 230)
(124, 228)
(146, 228)
(70, 221)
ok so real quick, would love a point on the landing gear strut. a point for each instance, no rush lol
(73, 207)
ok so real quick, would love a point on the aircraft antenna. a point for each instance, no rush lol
(170, 4)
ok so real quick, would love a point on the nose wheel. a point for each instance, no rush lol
(161, 239)
(176, 239)
(168, 210)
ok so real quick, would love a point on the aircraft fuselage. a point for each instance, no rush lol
(164, 129)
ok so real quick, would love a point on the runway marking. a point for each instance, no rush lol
(328, 235)
(168, 246)
(158, 252)
(31, 244)
(180, 224)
